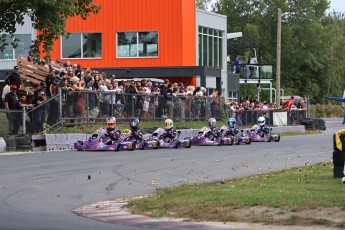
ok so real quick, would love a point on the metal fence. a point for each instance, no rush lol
(70, 108)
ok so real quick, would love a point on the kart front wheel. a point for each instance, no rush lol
(155, 144)
(220, 143)
(176, 144)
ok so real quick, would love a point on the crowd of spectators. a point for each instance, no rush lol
(89, 94)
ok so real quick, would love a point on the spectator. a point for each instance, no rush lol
(237, 63)
(10, 102)
(38, 114)
(14, 78)
(49, 79)
(22, 103)
(79, 87)
(53, 114)
(104, 99)
(5, 91)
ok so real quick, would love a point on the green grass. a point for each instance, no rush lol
(283, 195)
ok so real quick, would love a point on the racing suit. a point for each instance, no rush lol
(169, 135)
(135, 134)
(264, 130)
(114, 135)
(232, 132)
(213, 134)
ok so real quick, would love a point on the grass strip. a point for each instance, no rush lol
(297, 196)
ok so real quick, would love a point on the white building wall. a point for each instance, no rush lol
(26, 28)
(219, 22)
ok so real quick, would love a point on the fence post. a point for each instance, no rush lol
(87, 107)
(24, 123)
(60, 104)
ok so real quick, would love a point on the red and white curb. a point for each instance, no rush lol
(114, 212)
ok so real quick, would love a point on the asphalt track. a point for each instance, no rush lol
(41, 190)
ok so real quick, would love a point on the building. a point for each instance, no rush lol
(151, 38)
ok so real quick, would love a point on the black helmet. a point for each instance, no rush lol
(134, 123)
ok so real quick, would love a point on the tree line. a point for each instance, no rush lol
(312, 45)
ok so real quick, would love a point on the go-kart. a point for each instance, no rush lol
(131, 143)
(206, 137)
(236, 139)
(167, 142)
(257, 135)
(99, 140)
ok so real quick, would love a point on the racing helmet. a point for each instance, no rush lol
(134, 124)
(261, 121)
(169, 123)
(111, 122)
(212, 122)
(231, 123)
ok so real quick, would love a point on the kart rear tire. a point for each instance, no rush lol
(269, 139)
(248, 141)
(220, 143)
(238, 142)
(189, 144)
(278, 139)
(143, 145)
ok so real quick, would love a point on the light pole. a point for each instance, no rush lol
(279, 33)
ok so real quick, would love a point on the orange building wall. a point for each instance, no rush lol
(173, 19)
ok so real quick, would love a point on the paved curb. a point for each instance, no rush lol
(114, 212)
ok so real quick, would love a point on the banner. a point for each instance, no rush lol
(280, 118)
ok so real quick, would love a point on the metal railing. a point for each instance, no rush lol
(70, 108)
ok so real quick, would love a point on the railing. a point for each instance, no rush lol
(70, 108)
(252, 71)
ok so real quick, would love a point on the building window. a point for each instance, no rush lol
(82, 45)
(210, 47)
(137, 44)
(24, 42)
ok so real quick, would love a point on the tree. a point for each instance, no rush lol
(49, 18)
(202, 4)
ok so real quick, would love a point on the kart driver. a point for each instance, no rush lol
(232, 130)
(264, 130)
(215, 132)
(135, 132)
(170, 133)
(113, 133)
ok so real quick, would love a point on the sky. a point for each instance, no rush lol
(338, 5)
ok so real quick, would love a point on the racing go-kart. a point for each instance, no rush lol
(257, 135)
(166, 142)
(99, 140)
(236, 139)
(131, 143)
(206, 137)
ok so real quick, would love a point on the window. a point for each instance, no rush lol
(137, 44)
(210, 47)
(24, 42)
(82, 45)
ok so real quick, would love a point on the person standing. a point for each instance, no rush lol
(237, 63)
(14, 78)
(10, 104)
(252, 62)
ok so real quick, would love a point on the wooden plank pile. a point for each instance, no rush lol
(33, 72)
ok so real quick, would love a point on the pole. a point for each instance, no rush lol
(279, 25)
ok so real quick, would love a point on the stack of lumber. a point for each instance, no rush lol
(33, 72)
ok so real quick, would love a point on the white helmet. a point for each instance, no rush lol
(261, 121)
(169, 123)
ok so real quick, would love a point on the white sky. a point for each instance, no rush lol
(337, 5)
